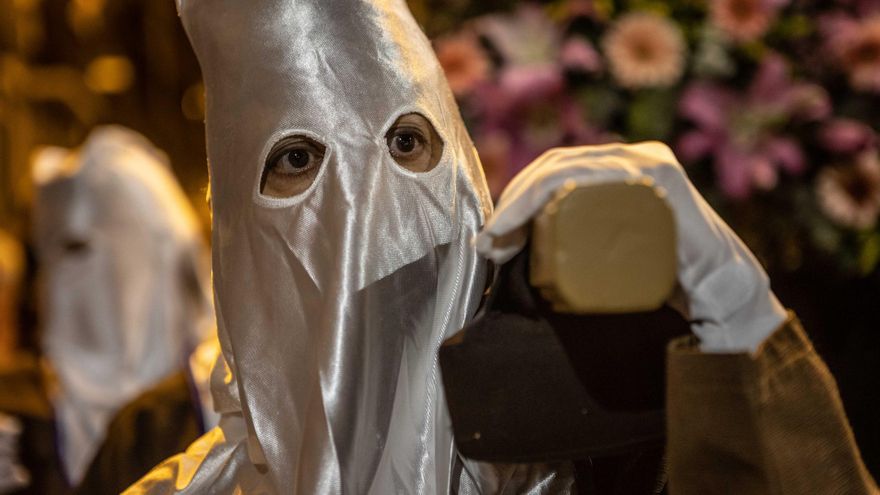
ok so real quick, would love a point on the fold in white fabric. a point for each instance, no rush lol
(125, 277)
(332, 303)
(727, 294)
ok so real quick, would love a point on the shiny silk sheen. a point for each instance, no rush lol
(332, 303)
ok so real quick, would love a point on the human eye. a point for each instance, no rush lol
(414, 143)
(291, 166)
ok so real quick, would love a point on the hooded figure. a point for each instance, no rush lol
(124, 279)
(346, 195)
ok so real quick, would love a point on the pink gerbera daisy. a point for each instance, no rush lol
(744, 20)
(850, 194)
(860, 55)
(645, 50)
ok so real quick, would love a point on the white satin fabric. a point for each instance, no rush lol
(726, 293)
(332, 304)
(124, 276)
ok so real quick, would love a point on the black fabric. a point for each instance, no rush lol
(640, 472)
(160, 423)
(23, 395)
(526, 384)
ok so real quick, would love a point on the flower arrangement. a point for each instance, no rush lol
(771, 105)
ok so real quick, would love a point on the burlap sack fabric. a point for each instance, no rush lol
(771, 423)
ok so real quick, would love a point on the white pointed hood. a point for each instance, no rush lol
(332, 303)
(125, 279)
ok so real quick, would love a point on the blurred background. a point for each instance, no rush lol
(772, 106)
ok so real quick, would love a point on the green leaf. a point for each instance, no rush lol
(795, 27)
(660, 8)
(600, 103)
(651, 115)
(870, 254)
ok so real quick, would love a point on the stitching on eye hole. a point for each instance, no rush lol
(444, 156)
(278, 203)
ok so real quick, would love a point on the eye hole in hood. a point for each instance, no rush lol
(414, 143)
(292, 166)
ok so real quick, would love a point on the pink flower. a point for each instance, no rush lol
(741, 169)
(578, 54)
(526, 109)
(644, 51)
(850, 194)
(463, 60)
(742, 132)
(856, 46)
(846, 136)
(530, 108)
(744, 20)
(523, 84)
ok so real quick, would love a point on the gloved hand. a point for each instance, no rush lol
(12, 476)
(724, 292)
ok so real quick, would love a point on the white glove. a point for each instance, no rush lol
(726, 293)
(12, 476)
